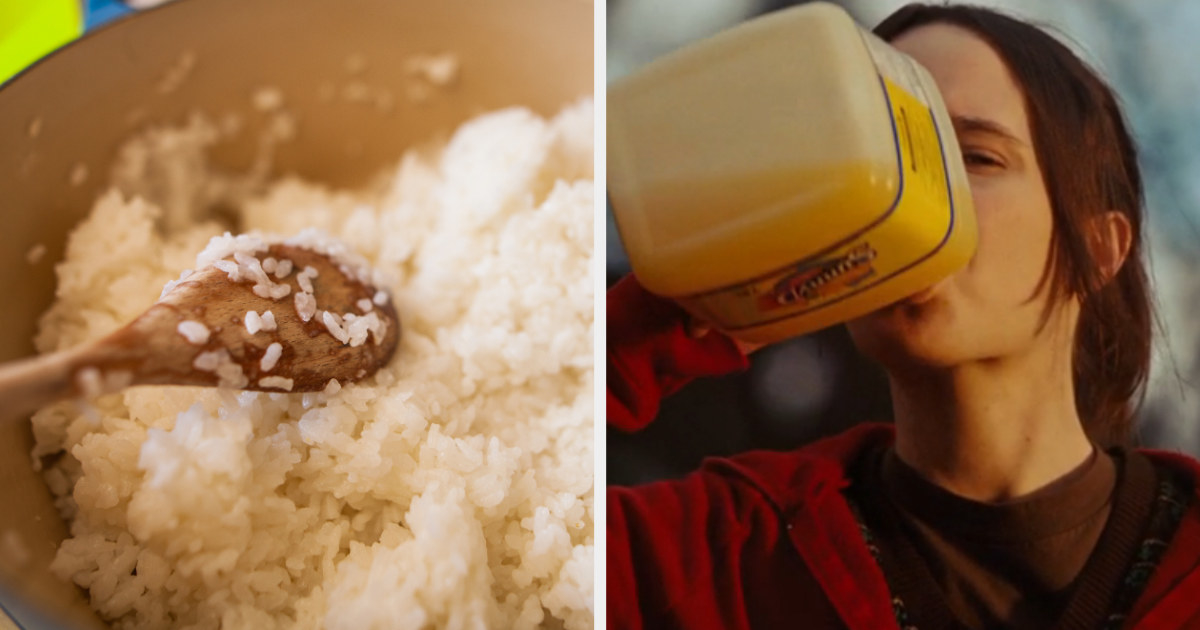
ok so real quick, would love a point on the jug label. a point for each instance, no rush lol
(814, 281)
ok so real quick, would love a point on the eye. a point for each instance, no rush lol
(981, 159)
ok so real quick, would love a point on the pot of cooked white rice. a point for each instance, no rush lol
(447, 143)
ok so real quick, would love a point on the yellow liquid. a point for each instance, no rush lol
(786, 175)
(697, 234)
(755, 253)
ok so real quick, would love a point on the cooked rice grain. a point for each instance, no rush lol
(453, 489)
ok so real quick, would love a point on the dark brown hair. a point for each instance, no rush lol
(1089, 166)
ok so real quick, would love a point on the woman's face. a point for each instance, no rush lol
(992, 307)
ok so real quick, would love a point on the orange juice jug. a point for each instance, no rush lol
(788, 174)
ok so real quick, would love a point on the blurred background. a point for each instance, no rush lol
(817, 385)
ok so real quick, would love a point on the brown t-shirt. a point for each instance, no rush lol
(1051, 558)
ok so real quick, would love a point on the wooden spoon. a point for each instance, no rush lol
(215, 347)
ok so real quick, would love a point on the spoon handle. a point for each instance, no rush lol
(29, 384)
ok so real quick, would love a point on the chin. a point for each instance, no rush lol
(906, 335)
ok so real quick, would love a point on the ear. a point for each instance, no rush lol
(1109, 237)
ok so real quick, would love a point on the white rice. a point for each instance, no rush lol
(229, 372)
(453, 489)
(333, 324)
(306, 305)
(267, 98)
(79, 174)
(194, 331)
(271, 357)
(247, 266)
(35, 254)
(359, 328)
(173, 283)
(278, 382)
(14, 548)
(253, 322)
(305, 279)
(207, 361)
(89, 382)
(437, 69)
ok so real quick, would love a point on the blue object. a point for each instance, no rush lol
(101, 11)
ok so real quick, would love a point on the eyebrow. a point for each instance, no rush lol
(963, 124)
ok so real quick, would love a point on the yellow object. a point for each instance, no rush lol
(31, 28)
(787, 174)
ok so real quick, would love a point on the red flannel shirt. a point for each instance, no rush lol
(766, 539)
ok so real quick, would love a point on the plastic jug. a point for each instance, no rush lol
(788, 174)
